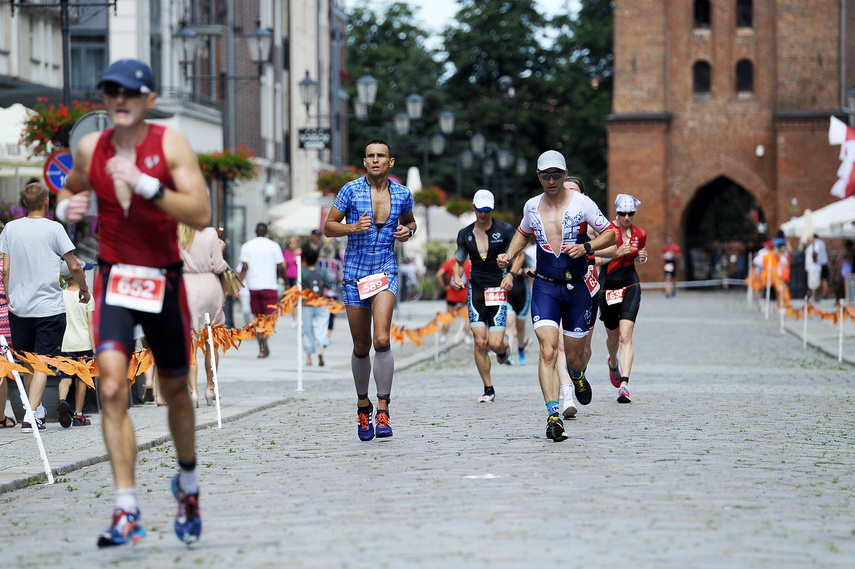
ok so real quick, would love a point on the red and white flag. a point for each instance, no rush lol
(840, 133)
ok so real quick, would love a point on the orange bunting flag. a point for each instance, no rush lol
(415, 337)
(34, 361)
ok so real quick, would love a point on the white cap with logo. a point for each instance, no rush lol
(484, 198)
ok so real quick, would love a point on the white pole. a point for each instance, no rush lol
(299, 323)
(804, 330)
(436, 345)
(840, 332)
(750, 280)
(781, 311)
(28, 411)
(213, 364)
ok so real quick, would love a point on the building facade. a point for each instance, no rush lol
(720, 118)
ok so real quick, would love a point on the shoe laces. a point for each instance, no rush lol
(382, 419)
(363, 419)
(580, 383)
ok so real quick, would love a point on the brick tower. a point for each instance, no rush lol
(720, 117)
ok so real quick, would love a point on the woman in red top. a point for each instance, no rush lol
(620, 293)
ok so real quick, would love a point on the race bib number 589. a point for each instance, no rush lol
(372, 284)
(137, 288)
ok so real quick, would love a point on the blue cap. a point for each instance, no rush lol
(779, 241)
(131, 74)
(66, 272)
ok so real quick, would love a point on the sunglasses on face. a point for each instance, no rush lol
(114, 90)
(625, 213)
(550, 175)
(483, 209)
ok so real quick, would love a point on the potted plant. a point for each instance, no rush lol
(331, 181)
(429, 196)
(47, 127)
(229, 165)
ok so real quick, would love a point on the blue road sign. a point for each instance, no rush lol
(57, 167)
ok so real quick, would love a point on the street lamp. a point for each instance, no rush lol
(308, 90)
(260, 43)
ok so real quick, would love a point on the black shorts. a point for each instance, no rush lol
(493, 317)
(823, 273)
(626, 309)
(41, 335)
(74, 356)
(519, 297)
(167, 333)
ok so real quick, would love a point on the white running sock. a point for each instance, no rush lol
(567, 392)
(127, 500)
(189, 480)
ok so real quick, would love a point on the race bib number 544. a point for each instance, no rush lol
(137, 288)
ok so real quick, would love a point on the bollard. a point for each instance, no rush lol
(213, 363)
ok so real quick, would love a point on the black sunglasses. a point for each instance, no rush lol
(550, 175)
(114, 90)
(625, 213)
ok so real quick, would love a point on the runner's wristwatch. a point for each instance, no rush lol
(587, 247)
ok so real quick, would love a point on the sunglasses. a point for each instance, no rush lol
(483, 209)
(625, 213)
(114, 90)
(550, 175)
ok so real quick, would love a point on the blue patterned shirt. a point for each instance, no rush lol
(371, 251)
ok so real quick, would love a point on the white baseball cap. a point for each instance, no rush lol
(66, 272)
(484, 198)
(551, 159)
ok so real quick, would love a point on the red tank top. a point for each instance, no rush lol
(624, 267)
(147, 236)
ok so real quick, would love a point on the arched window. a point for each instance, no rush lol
(701, 77)
(702, 14)
(744, 76)
(744, 14)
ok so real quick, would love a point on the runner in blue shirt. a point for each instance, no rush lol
(373, 212)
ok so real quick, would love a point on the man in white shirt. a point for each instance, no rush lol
(32, 249)
(262, 261)
(816, 267)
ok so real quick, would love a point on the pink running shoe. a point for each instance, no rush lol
(614, 374)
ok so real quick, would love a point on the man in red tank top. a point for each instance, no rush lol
(146, 179)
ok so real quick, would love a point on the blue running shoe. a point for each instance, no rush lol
(126, 528)
(365, 428)
(188, 521)
(383, 428)
(521, 353)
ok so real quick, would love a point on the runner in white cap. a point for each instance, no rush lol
(559, 220)
(483, 241)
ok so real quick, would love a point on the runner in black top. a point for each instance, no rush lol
(483, 242)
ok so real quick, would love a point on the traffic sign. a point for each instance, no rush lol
(315, 138)
(57, 168)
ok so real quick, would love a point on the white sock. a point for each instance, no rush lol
(41, 412)
(567, 393)
(612, 367)
(189, 480)
(127, 500)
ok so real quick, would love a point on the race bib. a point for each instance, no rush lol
(615, 296)
(137, 288)
(495, 296)
(669, 267)
(592, 282)
(372, 284)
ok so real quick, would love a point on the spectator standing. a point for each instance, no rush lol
(845, 262)
(315, 318)
(32, 248)
(262, 261)
(203, 265)
(8, 422)
(824, 273)
(330, 263)
(290, 256)
(78, 342)
(813, 267)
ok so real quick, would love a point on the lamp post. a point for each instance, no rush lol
(506, 86)
(260, 42)
(850, 100)
(436, 144)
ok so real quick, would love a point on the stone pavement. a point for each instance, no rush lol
(736, 452)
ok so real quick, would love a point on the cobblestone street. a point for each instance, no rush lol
(735, 452)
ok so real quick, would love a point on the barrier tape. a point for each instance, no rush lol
(223, 338)
(798, 313)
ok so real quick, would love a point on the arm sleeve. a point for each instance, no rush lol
(525, 222)
(408, 203)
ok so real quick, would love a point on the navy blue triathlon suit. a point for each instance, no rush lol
(485, 273)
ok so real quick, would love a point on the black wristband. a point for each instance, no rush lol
(587, 246)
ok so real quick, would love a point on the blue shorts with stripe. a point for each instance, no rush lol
(552, 303)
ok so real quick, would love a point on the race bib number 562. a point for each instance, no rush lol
(137, 288)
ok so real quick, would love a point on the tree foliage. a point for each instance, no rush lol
(560, 71)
